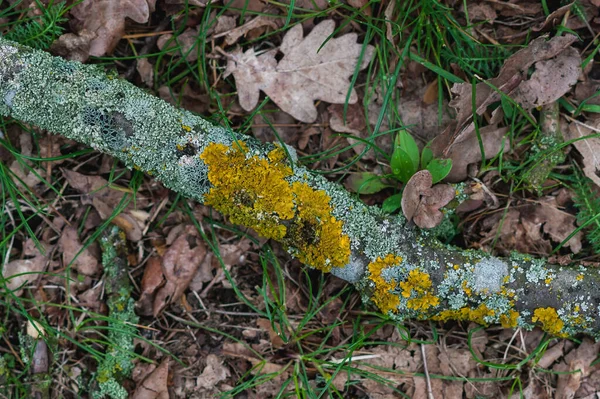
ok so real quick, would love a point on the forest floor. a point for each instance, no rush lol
(210, 310)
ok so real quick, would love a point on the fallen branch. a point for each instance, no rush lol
(402, 270)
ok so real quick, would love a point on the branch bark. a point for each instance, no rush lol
(405, 272)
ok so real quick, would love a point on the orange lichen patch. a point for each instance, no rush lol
(550, 321)
(510, 320)
(420, 283)
(417, 280)
(466, 289)
(382, 297)
(423, 302)
(476, 315)
(254, 192)
(318, 235)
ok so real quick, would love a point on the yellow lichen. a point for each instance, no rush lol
(423, 302)
(254, 192)
(466, 289)
(420, 283)
(476, 315)
(550, 321)
(318, 235)
(510, 320)
(579, 277)
(382, 297)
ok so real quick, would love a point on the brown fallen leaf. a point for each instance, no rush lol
(183, 44)
(152, 279)
(580, 358)
(179, 266)
(273, 125)
(550, 80)
(556, 223)
(589, 148)
(481, 12)
(233, 35)
(188, 98)
(213, 373)
(468, 151)
(534, 228)
(154, 386)
(421, 202)
(265, 325)
(355, 124)
(587, 89)
(18, 272)
(106, 18)
(74, 47)
(97, 192)
(533, 390)
(75, 256)
(513, 74)
(308, 71)
(146, 71)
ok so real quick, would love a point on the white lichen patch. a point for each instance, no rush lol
(352, 272)
(489, 274)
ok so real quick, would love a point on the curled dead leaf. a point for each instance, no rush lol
(421, 203)
(105, 199)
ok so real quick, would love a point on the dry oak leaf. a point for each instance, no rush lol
(106, 18)
(313, 68)
(421, 203)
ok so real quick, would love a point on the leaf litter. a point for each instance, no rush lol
(178, 276)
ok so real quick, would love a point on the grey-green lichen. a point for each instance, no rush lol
(385, 254)
(117, 362)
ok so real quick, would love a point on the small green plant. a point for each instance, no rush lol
(42, 30)
(406, 160)
(588, 204)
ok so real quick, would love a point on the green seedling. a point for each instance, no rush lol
(408, 160)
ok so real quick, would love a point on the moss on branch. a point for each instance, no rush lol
(405, 272)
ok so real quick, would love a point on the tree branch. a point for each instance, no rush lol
(404, 271)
